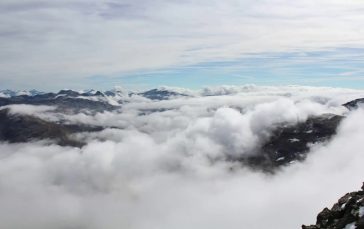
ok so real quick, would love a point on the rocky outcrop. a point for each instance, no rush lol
(25, 128)
(354, 104)
(347, 213)
(160, 94)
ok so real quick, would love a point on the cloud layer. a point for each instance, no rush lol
(155, 169)
(71, 40)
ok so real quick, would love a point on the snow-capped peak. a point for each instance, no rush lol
(9, 93)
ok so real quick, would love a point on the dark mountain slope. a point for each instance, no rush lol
(290, 143)
(25, 128)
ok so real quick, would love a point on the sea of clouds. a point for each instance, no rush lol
(159, 164)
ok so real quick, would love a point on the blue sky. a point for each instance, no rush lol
(341, 67)
(49, 45)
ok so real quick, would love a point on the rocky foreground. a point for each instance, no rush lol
(347, 213)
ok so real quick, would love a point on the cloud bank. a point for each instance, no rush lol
(153, 167)
(69, 41)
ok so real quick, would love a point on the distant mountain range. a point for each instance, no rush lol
(10, 93)
(287, 143)
(76, 101)
(153, 94)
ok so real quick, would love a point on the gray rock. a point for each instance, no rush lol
(343, 213)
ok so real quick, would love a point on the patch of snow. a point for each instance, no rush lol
(8, 93)
(112, 101)
(107, 99)
(294, 140)
(23, 93)
(60, 95)
(280, 159)
(91, 98)
(90, 92)
(361, 211)
(3, 95)
(350, 226)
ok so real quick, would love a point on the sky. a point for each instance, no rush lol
(50, 45)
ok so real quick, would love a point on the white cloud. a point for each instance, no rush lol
(26, 109)
(70, 40)
(156, 171)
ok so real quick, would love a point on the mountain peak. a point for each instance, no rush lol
(10, 93)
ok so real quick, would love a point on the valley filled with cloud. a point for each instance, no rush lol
(176, 158)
